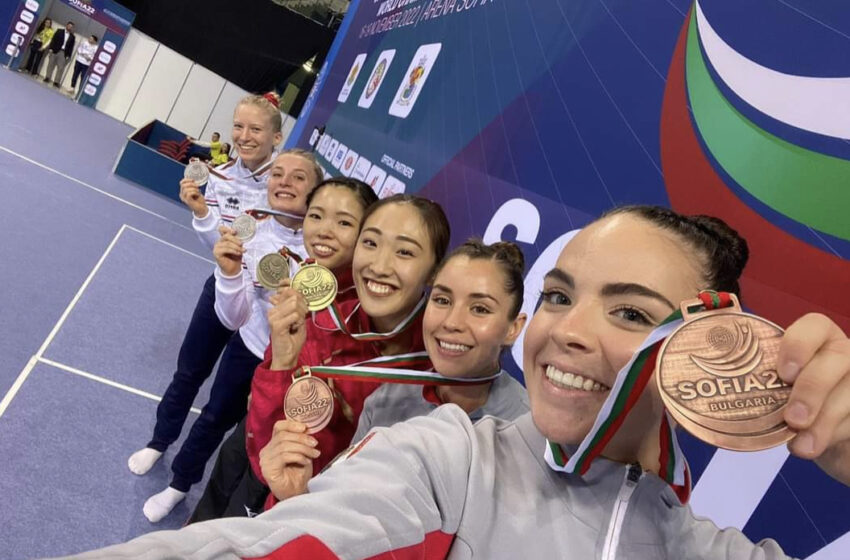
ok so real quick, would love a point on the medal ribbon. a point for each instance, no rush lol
(341, 322)
(263, 213)
(388, 369)
(627, 389)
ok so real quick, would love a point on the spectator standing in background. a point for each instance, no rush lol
(59, 52)
(39, 43)
(85, 54)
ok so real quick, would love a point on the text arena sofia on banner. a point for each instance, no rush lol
(116, 18)
(525, 120)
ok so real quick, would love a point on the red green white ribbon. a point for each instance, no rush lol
(263, 213)
(341, 322)
(392, 369)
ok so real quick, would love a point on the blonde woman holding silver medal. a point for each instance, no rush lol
(256, 132)
(238, 307)
(440, 486)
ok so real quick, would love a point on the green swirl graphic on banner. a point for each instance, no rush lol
(806, 186)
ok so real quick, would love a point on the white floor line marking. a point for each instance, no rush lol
(172, 245)
(92, 187)
(105, 381)
(40, 352)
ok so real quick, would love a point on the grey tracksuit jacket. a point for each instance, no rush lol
(439, 487)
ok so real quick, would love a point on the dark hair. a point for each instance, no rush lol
(508, 256)
(70, 23)
(436, 223)
(44, 24)
(724, 252)
(362, 192)
(95, 38)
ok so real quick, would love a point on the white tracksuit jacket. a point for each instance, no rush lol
(227, 198)
(241, 302)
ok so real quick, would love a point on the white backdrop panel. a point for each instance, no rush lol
(160, 88)
(221, 118)
(127, 74)
(196, 101)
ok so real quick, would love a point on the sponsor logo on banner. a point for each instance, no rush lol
(11, 49)
(104, 58)
(329, 153)
(323, 143)
(83, 5)
(375, 178)
(379, 72)
(356, 66)
(361, 168)
(314, 137)
(22, 28)
(32, 5)
(414, 79)
(90, 89)
(339, 155)
(27, 16)
(391, 186)
(109, 47)
(94, 79)
(99, 68)
(348, 163)
(17, 39)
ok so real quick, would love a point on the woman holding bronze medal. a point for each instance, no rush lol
(240, 305)
(332, 221)
(402, 239)
(537, 486)
(472, 315)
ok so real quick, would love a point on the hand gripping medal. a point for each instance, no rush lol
(717, 377)
(309, 400)
(197, 171)
(317, 283)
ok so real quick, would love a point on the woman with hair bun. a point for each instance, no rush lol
(472, 315)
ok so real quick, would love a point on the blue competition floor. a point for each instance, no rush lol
(101, 278)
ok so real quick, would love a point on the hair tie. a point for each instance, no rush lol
(272, 98)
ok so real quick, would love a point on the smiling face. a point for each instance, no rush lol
(253, 136)
(611, 286)
(290, 181)
(466, 322)
(392, 261)
(332, 225)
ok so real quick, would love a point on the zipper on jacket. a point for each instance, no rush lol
(612, 539)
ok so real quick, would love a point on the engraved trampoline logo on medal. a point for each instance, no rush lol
(309, 400)
(271, 269)
(740, 347)
(717, 376)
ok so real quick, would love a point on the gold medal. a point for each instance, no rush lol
(317, 283)
(271, 269)
(717, 376)
(310, 401)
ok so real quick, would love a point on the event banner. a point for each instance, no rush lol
(116, 18)
(526, 120)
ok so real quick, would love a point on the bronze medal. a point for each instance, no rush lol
(310, 401)
(271, 269)
(317, 283)
(717, 376)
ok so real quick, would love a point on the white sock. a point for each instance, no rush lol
(142, 460)
(160, 505)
